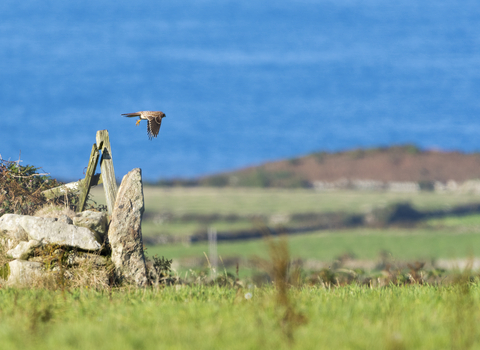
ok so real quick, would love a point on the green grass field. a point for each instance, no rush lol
(311, 315)
(258, 201)
(283, 201)
(403, 244)
(200, 317)
(272, 201)
(450, 237)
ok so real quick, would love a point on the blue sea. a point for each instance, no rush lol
(241, 82)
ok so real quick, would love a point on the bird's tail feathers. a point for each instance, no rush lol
(131, 114)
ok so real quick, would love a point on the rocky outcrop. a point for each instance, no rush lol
(50, 230)
(125, 233)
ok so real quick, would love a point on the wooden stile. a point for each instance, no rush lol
(106, 167)
(87, 182)
(107, 176)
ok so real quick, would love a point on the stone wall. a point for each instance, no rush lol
(57, 244)
(471, 186)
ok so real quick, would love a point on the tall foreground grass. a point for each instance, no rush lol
(213, 317)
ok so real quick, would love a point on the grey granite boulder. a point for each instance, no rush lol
(65, 219)
(10, 238)
(24, 250)
(50, 230)
(17, 233)
(125, 233)
(93, 220)
(24, 273)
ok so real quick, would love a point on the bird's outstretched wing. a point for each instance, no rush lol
(153, 126)
(136, 114)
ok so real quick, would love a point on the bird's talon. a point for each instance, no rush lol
(138, 122)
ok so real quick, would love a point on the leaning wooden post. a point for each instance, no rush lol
(87, 182)
(106, 166)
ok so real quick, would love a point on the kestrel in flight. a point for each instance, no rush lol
(154, 119)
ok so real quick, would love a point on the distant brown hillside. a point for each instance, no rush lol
(400, 163)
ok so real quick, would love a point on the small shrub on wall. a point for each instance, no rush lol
(21, 188)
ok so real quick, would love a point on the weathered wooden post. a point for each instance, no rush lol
(87, 182)
(91, 179)
(212, 250)
(62, 190)
(106, 166)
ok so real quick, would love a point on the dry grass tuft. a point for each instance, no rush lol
(54, 211)
(284, 278)
(4, 270)
(89, 274)
(64, 269)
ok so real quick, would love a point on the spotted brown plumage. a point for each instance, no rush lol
(154, 119)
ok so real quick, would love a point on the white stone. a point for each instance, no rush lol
(49, 230)
(408, 186)
(24, 273)
(65, 219)
(439, 186)
(368, 185)
(452, 185)
(93, 220)
(23, 250)
(470, 186)
(16, 233)
(125, 231)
